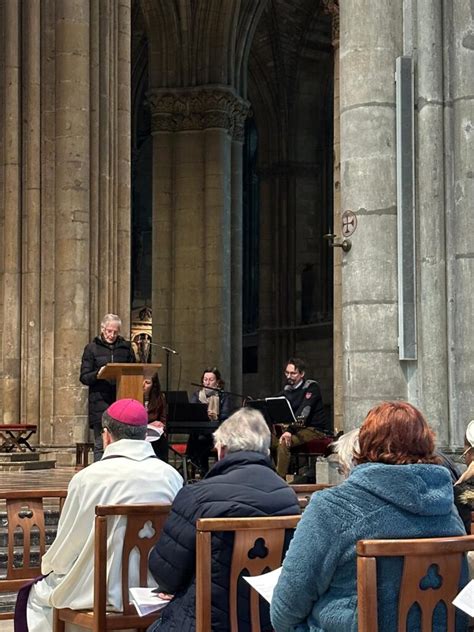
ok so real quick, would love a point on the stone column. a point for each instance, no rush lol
(459, 113)
(332, 7)
(236, 265)
(123, 160)
(11, 268)
(110, 121)
(48, 210)
(371, 39)
(430, 387)
(192, 220)
(72, 214)
(31, 233)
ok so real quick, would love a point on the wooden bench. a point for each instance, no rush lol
(25, 514)
(419, 555)
(99, 619)
(12, 437)
(247, 531)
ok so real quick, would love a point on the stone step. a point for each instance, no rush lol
(22, 466)
(14, 457)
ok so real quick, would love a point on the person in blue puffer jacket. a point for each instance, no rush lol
(396, 490)
(242, 483)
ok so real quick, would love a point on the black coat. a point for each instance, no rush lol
(102, 393)
(243, 484)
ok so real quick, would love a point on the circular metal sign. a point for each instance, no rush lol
(349, 223)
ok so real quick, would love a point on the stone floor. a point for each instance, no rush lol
(6, 626)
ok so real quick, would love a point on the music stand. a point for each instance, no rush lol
(276, 410)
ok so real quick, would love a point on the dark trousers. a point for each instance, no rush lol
(98, 443)
(199, 449)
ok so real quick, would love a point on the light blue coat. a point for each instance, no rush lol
(317, 589)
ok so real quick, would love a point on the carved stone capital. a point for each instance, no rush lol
(331, 7)
(197, 109)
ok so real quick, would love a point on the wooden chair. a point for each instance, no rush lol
(305, 491)
(99, 619)
(472, 522)
(419, 555)
(25, 515)
(246, 532)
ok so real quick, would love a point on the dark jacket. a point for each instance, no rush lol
(243, 484)
(97, 354)
(307, 404)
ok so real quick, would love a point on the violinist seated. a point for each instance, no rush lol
(304, 397)
(218, 403)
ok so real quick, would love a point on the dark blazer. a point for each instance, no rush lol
(101, 392)
(243, 484)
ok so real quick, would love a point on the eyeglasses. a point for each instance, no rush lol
(463, 455)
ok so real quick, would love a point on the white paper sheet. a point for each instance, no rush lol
(465, 599)
(146, 601)
(264, 584)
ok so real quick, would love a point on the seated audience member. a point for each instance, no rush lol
(155, 403)
(396, 490)
(241, 484)
(464, 488)
(128, 473)
(218, 408)
(345, 447)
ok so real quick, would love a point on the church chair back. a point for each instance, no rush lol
(144, 524)
(431, 574)
(26, 531)
(249, 533)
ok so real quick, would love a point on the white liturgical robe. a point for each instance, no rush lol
(131, 476)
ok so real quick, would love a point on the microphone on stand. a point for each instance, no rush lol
(164, 347)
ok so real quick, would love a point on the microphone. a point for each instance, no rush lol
(164, 347)
(208, 388)
(169, 349)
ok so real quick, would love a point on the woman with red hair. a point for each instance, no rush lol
(396, 490)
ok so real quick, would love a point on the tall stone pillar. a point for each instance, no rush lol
(31, 233)
(459, 47)
(195, 228)
(332, 7)
(429, 386)
(11, 265)
(236, 264)
(72, 178)
(370, 41)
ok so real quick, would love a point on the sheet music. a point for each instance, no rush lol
(465, 599)
(146, 600)
(265, 584)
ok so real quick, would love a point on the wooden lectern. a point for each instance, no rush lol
(128, 377)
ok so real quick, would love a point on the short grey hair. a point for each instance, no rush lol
(345, 447)
(246, 429)
(119, 430)
(110, 318)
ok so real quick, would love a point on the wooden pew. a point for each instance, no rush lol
(419, 555)
(246, 532)
(99, 619)
(25, 514)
